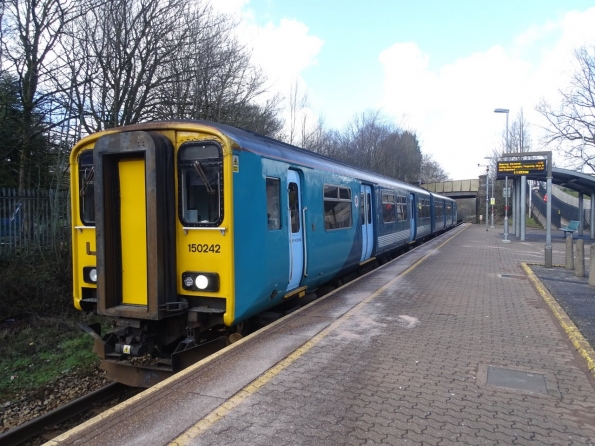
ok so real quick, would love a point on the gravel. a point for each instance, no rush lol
(29, 405)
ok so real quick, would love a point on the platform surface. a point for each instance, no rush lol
(449, 344)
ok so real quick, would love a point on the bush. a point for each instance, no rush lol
(37, 283)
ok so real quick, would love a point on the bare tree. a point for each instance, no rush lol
(519, 136)
(572, 126)
(431, 171)
(213, 78)
(118, 51)
(32, 30)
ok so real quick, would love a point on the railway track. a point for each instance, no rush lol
(37, 426)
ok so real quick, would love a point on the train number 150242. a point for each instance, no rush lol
(204, 248)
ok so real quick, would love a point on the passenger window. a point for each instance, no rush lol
(294, 207)
(362, 209)
(369, 207)
(200, 173)
(401, 208)
(337, 207)
(388, 208)
(86, 187)
(273, 186)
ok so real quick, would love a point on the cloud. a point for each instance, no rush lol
(283, 50)
(452, 108)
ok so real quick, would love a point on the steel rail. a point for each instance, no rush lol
(36, 426)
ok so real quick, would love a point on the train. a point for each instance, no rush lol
(186, 232)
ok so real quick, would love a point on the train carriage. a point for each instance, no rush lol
(184, 231)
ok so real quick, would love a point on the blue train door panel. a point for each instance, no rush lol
(412, 213)
(296, 239)
(367, 230)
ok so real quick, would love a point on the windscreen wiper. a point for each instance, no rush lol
(203, 176)
(89, 175)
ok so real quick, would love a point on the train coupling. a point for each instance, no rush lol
(122, 341)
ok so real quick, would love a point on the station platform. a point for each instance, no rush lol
(455, 342)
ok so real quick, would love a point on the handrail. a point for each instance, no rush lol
(304, 241)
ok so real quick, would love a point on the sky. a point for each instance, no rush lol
(436, 67)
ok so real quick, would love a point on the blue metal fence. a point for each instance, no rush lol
(33, 219)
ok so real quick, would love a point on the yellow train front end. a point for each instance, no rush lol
(153, 247)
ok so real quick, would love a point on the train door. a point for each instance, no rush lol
(412, 216)
(367, 230)
(296, 239)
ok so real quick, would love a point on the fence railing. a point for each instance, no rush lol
(32, 220)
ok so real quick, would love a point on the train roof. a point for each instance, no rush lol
(271, 148)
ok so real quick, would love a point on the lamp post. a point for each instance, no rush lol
(493, 199)
(505, 110)
(487, 183)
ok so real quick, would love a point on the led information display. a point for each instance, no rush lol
(525, 167)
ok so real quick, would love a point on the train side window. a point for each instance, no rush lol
(200, 181)
(273, 200)
(362, 210)
(294, 207)
(401, 208)
(423, 210)
(388, 208)
(369, 205)
(86, 187)
(337, 207)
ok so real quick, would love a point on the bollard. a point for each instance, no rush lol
(569, 253)
(579, 262)
(592, 265)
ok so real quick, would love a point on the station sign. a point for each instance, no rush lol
(523, 167)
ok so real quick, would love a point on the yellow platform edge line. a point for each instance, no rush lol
(573, 333)
(217, 414)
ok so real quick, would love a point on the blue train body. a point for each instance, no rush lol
(379, 216)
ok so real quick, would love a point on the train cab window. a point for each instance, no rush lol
(273, 200)
(200, 172)
(86, 188)
(388, 208)
(401, 208)
(337, 207)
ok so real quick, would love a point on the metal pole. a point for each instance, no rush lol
(548, 226)
(522, 203)
(487, 207)
(580, 213)
(506, 191)
(492, 203)
(517, 209)
(592, 219)
(530, 199)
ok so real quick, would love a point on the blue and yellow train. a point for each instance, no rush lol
(185, 231)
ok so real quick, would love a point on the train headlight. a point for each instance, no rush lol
(90, 274)
(199, 281)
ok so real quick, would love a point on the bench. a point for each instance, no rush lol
(571, 228)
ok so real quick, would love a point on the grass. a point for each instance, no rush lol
(35, 352)
(529, 223)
